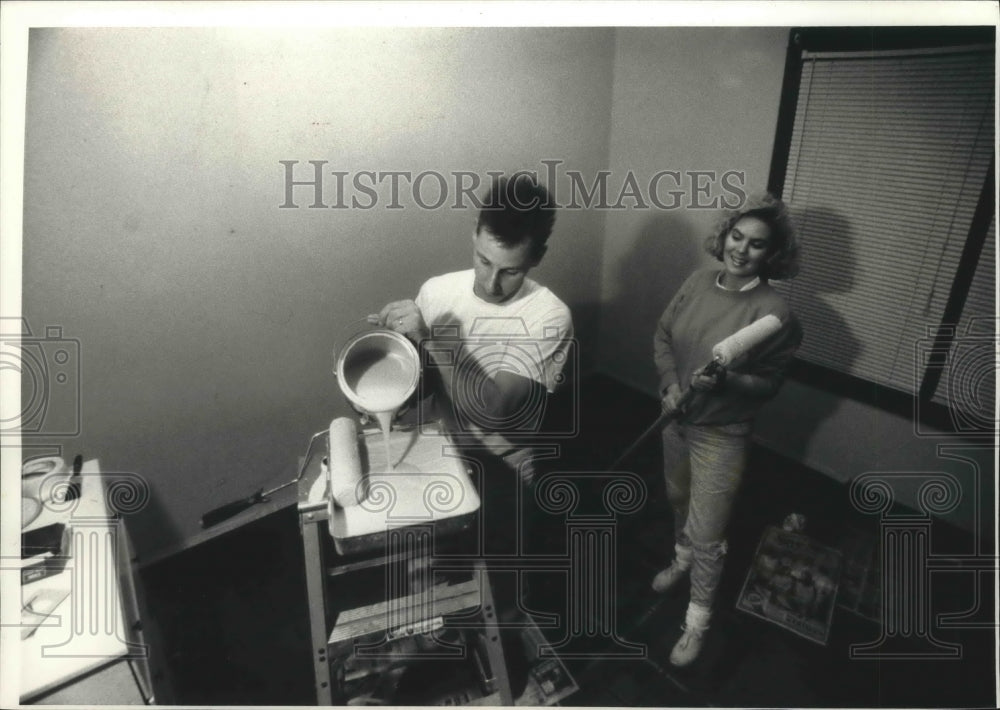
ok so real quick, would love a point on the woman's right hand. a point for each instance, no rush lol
(671, 399)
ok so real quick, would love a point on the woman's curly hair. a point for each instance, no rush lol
(783, 260)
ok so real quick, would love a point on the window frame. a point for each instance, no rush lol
(919, 406)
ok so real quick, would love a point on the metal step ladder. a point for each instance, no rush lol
(456, 618)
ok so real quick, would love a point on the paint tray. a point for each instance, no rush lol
(428, 485)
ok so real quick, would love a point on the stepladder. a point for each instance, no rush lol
(396, 614)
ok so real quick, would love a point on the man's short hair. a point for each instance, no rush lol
(518, 209)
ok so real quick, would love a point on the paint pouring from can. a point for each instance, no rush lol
(378, 371)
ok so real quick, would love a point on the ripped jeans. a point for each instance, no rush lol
(703, 467)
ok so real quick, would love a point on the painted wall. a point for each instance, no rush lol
(688, 101)
(205, 313)
(707, 99)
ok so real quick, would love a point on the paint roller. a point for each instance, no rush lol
(723, 354)
(343, 468)
(344, 464)
(224, 512)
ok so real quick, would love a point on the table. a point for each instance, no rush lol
(91, 648)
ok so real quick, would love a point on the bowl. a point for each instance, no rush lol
(41, 477)
(30, 509)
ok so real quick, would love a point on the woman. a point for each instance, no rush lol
(705, 450)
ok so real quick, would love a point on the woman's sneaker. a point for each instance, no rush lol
(665, 580)
(689, 645)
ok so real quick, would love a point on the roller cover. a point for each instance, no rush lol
(346, 473)
(740, 342)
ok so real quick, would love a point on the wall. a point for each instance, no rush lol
(685, 99)
(707, 99)
(928, 470)
(206, 315)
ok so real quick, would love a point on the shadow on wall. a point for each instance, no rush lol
(666, 251)
(797, 413)
(586, 331)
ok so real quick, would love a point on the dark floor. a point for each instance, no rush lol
(232, 623)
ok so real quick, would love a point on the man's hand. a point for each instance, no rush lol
(403, 317)
(521, 462)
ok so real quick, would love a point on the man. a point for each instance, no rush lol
(497, 338)
(498, 341)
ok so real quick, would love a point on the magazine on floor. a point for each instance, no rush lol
(793, 583)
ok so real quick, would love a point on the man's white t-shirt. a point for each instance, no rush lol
(530, 334)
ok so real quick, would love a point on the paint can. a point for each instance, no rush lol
(378, 370)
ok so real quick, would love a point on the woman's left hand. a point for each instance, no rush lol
(703, 382)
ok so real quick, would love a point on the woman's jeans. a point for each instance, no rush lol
(703, 467)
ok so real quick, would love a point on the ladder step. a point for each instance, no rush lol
(407, 611)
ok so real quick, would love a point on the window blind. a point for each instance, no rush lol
(968, 377)
(888, 155)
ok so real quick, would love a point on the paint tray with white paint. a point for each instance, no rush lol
(425, 483)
